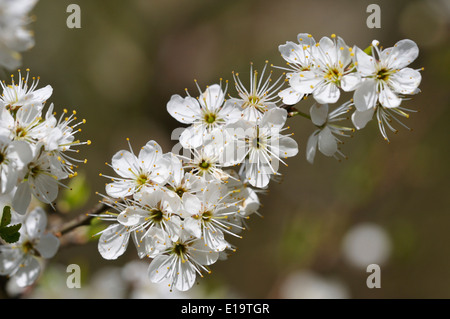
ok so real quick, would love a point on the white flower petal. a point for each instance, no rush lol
(20, 152)
(36, 222)
(22, 198)
(326, 51)
(28, 273)
(131, 216)
(365, 96)
(158, 269)
(193, 226)
(305, 39)
(148, 155)
(119, 189)
(192, 204)
(405, 81)
(327, 93)
(366, 64)
(402, 54)
(212, 98)
(292, 52)
(388, 98)
(290, 96)
(350, 82)
(47, 246)
(185, 110)
(274, 119)
(185, 276)
(41, 95)
(125, 163)
(311, 146)
(44, 187)
(258, 175)
(343, 54)
(287, 147)
(304, 81)
(202, 256)
(10, 259)
(361, 118)
(327, 142)
(113, 242)
(319, 113)
(194, 136)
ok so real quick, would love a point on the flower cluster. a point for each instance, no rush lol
(35, 156)
(35, 146)
(179, 208)
(21, 260)
(379, 79)
(14, 37)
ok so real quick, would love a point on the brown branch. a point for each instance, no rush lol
(81, 220)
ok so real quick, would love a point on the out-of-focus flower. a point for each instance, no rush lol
(14, 37)
(366, 244)
(20, 260)
(307, 284)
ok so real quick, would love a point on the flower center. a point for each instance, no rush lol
(256, 142)
(179, 249)
(180, 191)
(35, 170)
(207, 216)
(204, 165)
(254, 100)
(28, 248)
(156, 215)
(210, 118)
(383, 74)
(333, 75)
(20, 132)
(142, 180)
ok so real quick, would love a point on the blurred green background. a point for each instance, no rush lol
(120, 69)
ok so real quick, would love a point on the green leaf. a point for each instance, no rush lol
(6, 217)
(10, 234)
(368, 50)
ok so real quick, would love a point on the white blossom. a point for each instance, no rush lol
(205, 114)
(24, 93)
(14, 36)
(147, 170)
(181, 261)
(299, 58)
(330, 71)
(262, 147)
(21, 260)
(260, 97)
(386, 79)
(325, 138)
(207, 215)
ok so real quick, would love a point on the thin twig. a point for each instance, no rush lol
(81, 220)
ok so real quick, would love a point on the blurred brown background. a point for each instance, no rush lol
(120, 69)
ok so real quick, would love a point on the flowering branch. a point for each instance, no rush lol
(180, 207)
(81, 220)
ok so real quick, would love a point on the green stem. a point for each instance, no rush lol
(295, 113)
